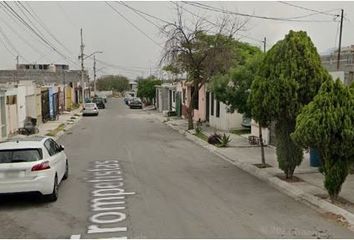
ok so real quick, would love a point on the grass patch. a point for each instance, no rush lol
(241, 131)
(77, 115)
(201, 136)
(54, 132)
(73, 118)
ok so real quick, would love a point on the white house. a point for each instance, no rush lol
(220, 117)
(166, 97)
(3, 120)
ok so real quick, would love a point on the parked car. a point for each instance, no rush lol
(90, 109)
(34, 164)
(104, 97)
(99, 102)
(136, 103)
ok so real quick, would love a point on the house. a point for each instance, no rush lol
(3, 119)
(133, 85)
(200, 101)
(10, 110)
(44, 74)
(165, 97)
(220, 116)
(346, 67)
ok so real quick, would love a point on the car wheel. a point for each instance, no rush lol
(66, 174)
(54, 195)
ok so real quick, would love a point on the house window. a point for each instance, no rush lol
(212, 104)
(195, 99)
(217, 108)
(10, 100)
(174, 96)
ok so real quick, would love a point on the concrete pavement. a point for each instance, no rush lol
(309, 190)
(160, 186)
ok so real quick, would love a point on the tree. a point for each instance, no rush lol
(233, 88)
(326, 124)
(113, 82)
(290, 76)
(199, 54)
(146, 88)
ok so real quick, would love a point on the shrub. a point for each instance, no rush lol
(198, 130)
(224, 141)
(214, 139)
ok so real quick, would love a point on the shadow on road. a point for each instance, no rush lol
(21, 200)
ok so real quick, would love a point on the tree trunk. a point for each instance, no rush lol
(190, 115)
(191, 108)
(262, 146)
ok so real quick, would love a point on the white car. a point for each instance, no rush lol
(35, 164)
(90, 109)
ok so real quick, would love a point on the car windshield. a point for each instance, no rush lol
(90, 105)
(97, 100)
(20, 155)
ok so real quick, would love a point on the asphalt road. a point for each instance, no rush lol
(132, 176)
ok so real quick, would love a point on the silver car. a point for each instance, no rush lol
(90, 109)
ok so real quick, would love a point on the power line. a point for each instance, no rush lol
(35, 16)
(20, 19)
(125, 68)
(245, 36)
(149, 15)
(312, 10)
(131, 23)
(214, 9)
(140, 14)
(19, 35)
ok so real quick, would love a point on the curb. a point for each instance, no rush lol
(292, 191)
(68, 127)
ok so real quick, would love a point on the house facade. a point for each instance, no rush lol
(166, 97)
(200, 101)
(220, 116)
(346, 66)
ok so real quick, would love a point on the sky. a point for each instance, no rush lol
(132, 45)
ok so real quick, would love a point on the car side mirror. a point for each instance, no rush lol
(61, 148)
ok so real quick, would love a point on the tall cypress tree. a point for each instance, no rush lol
(327, 125)
(290, 76)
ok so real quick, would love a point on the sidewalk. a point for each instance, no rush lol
(309, 189)
(57, 128)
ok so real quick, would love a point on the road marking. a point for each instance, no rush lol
(108, 195)
(78, 236)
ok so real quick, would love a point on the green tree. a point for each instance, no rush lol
(117, 83)
(233, 88)
(146, 88)
(191, 50)
(326, 124)
(290, 76)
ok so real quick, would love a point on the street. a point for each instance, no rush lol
(160, 185)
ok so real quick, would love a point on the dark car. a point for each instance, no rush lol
(135, 103)
(99, 102)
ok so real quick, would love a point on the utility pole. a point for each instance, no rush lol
(17, 60)
(94, 75)
(64, 90)
(340, 38)
(259, 126)
(264, 44)
(82, 68)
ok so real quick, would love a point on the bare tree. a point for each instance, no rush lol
(198, 52)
